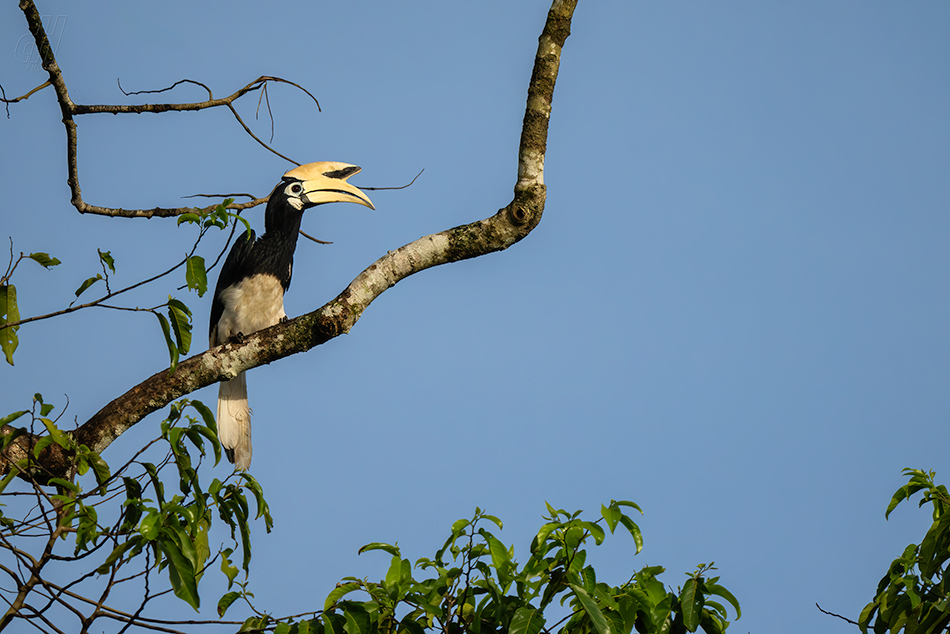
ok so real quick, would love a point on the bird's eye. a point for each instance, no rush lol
(296, 188)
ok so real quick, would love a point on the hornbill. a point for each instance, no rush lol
(249, 295)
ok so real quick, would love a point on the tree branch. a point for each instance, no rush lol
(495, 233)
(69, 109)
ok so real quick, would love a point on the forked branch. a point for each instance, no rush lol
(70, 110)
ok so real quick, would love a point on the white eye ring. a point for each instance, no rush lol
(296, 188)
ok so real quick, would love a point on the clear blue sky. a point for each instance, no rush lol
(734, 311)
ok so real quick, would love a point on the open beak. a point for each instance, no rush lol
(325, 182)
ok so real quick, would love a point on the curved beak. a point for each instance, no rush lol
(325, 182)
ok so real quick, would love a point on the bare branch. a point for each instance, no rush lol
(843, 618)
(70, 109)
(23, 97)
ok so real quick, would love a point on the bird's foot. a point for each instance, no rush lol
(237, 337)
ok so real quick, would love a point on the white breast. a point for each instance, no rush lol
(253, 304)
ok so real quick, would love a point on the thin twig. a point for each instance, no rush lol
(843, 618)
(376, 189)
(310, 237)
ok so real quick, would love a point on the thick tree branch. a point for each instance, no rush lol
(506, 227)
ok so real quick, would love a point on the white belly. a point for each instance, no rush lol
(251, 305)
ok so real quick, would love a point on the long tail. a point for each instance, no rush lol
(234, 421)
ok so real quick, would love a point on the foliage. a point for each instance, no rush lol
(103, 528)
(477, 586)
(122, 521)
(913, 595)
(176, 326)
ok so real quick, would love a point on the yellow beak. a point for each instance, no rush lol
(325, 182)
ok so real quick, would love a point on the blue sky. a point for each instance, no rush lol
(734, 311)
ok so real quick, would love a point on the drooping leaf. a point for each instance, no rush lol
(195, 275)
(634, 530)
(181, 570)
(593, 611)
(172, 346)
(719, 591)
(9, 313)
(180, 317)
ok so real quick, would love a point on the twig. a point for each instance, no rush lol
(310, 237)
(70, 110)
(376, 189)
(843, 618)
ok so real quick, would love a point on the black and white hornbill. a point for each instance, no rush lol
(249, 295)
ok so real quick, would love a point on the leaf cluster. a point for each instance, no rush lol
(175, 323)
(129, 517)
(476, 585)
(913, 596)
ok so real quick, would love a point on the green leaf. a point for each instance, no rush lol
(9, 313)
(60, 437)
(172, 346)
(719, 591)
(66, 484)
(106, 258)
(634, 530)
(149, 526)
(494, 519)
(195, 275)
(181, 571)
(225, 602)
(340, 591)
(596, 531)
(9, 418)
(627, 503)
(263, 510)
(357, 620)
(189, 217)
(392, 550)
(100, 468)
(44, 260)
(180, 317)
(89, 282)
(691, 603)
(205, 413)
(230, 571)
(597, 618)
(526, 621)
(611, 515)
(538, 542)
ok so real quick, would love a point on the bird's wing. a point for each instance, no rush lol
(233, 271)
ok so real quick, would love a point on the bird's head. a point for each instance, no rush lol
(315, 184)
